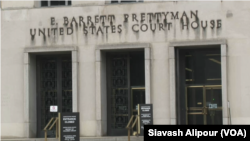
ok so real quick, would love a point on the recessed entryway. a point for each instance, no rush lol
(199, 95)
(125, 88)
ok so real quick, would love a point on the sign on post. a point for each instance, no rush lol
(70, 130)
(146, 116)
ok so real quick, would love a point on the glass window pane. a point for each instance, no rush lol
(195, 97)
(44, 3)
(55, 3)
(137, 73)
(62, 3)
(203, 67)
(123, 1)
(114, 1)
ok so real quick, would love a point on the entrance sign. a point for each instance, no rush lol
(53, 108)
(70, 130)
(146, 116)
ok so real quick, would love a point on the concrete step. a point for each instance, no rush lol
(105, 138)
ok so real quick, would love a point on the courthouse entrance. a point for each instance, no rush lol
(125, 88)
(54, 87)
(199, 94)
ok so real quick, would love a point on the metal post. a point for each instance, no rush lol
(129, 134)
(45, 129)
(59, 126)
(45, 135)
(57, 129)
(139, 126)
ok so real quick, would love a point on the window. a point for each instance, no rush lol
(125, 1)
(55, 3)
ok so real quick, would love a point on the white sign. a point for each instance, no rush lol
(53, 108)
(212, 106)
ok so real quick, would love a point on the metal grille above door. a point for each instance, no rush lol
(54, 87)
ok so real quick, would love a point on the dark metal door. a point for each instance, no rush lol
(54, 87)
(118, 93)
(125, 71)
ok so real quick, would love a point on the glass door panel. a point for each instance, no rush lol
(195, 105)
(137, 97)
(195, 97)
(204, 105)
(214, 104)
(195, 119)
